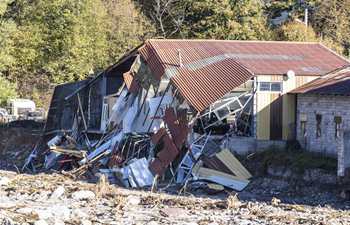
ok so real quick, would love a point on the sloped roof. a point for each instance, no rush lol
(211, 68)
(334, 83)
(260, 57)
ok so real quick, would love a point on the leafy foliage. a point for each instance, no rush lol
(46, 42)
(295, 31)
(56, 41)
(7, 91)
(7, 29)
(332, 21)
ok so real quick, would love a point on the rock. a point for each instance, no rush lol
(133, 200)
(58, 193)
(59, 222)
(83, 195)
(79, 213)
(40, 222)
(4, 181)
(153, 223)
(55, 211)
(6, 221)
(26, 211)
(7, 205)
(86, 222)
(275, 201)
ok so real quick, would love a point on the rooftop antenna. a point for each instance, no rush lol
(180, 57)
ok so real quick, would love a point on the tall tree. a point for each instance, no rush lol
(207, 19)
(7, 29)
(127, 27)
(331, 21)
(249, 21)
(61, 40)
(296, 31)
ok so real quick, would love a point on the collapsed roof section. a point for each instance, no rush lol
(199, 67)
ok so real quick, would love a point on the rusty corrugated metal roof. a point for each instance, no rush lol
(212, 68)
(204, 86)
(335, 83)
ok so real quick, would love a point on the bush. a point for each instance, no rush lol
(7, 90)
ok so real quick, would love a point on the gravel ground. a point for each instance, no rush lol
(56, 199)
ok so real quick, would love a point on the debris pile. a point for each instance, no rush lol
(147, 129)
(57, 199)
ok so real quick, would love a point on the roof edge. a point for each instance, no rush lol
(335, 53)
(251, 41)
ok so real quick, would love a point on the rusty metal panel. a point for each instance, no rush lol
(178, 125)
(205, 70)
(260, 57)
(336, 83)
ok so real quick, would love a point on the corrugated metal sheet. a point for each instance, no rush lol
(131, 83)
(211, 68)
(260, 57)
(335, 83)
(204, 86)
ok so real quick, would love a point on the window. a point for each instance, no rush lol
(264, 86)
(337, 121)
(270, 86)
(318, 125)
(303, 120)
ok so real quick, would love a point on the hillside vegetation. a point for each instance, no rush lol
(48, 42)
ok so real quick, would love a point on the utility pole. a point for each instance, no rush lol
(306, 16)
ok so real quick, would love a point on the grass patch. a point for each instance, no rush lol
(297, 160)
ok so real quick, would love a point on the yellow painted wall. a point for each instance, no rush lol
(264, 99)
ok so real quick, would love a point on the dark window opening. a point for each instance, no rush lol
(337, 121)
(318, 125)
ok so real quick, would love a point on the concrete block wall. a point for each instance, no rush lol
(328, 107)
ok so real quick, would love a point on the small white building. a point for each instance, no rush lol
(17, 107)
(323, 116)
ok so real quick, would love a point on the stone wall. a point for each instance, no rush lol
(329, 107)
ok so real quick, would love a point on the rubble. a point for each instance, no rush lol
(22, 202)
(147, 131)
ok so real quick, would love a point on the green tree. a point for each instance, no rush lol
(59, 40)
(7, 29)
(207, 19)
(331, 20)
(249, 21)
(7, 90)
(296, 31)
(127, 28)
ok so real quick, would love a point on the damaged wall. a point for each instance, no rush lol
(321, 123)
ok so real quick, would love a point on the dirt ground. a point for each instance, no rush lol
(16, 142)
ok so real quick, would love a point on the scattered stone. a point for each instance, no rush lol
(83, 195)
(275, 201)
(86, 222)
(58, 193)
(133, 200)
(7, 205)
(79, 213)
(40, 222)
(4, 181)
(233, 202)
(27, 211)
(59, 222)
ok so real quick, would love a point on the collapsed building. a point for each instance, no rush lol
(182, 108)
